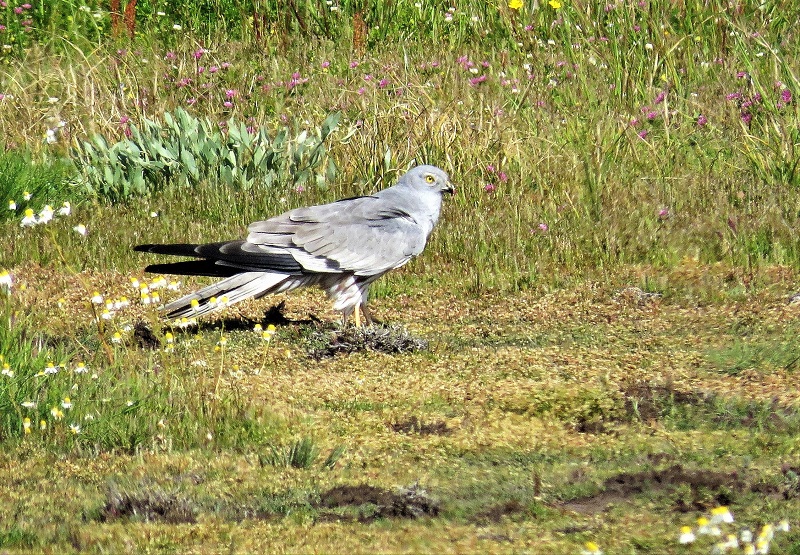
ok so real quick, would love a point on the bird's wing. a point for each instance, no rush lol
(364, 235)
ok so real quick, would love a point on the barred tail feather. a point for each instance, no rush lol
(227, 292)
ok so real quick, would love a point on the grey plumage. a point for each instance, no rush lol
(341, 247)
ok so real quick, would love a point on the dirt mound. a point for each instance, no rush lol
(326, 343)
(624, 486)
(495, 513)
(373, 503)
(147, 505)
(414, 425)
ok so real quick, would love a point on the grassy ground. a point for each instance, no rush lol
(598, 344)
(529, 422)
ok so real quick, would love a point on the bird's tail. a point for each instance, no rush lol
(227, 292)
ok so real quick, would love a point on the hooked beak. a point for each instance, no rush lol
(450, 188)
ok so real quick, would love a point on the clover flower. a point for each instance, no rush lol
(267, 334)
(185, 322)
(29, 219)
(720, 515)
(46, 214)
(591, 548)
(6, 281)
(767, 533)
(158, 283)
(687, 536)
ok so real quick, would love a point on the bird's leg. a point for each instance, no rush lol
(358, 317)
(346, 316)
(368, 315)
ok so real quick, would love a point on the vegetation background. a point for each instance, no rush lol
(605, 309)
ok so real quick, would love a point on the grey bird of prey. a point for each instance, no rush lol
(341, 247)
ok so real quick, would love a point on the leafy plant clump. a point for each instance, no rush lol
(185, 150)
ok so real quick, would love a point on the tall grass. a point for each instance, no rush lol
(584, 137)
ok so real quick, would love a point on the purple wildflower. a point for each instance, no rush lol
(489, 187)
(701, 120)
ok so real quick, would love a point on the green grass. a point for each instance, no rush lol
(610, 352)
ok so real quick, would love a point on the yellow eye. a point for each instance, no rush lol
(429, 178)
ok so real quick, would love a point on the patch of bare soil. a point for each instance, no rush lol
(373, 503)
(147, 505)
(646, 401)
(592, 426)
(414, 425)
(624, 486)
(144, 337)
(326, 343)
(495, 513)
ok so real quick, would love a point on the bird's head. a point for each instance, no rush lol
(428, 178)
